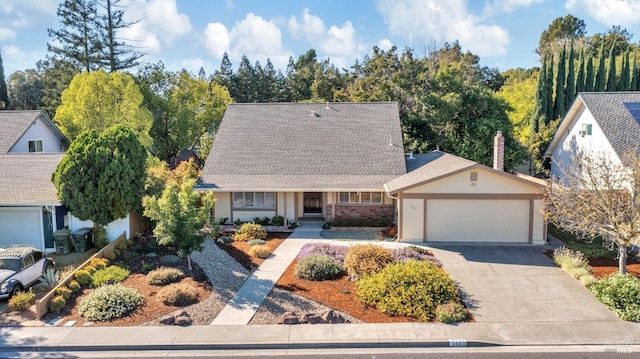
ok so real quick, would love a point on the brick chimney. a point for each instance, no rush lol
(498, 152)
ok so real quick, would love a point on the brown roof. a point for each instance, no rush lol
(26, 178)
(13, 124)
(306, 146)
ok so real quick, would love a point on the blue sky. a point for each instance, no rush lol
(195, 33)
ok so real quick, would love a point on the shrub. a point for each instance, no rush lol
(259, 251)
(223, 220)
(250, 231)
(621, 293)
(575, 264)
(263, 221)
(225, 239)
(365, 259)
(336, 252)
(90, 269)
(164, 276)
(451, 312)
(255, 242)
(22, 301)
(412, 252)
(57, 303)
(317, 267)
(109, 302)
(238, 222)
(111, 274)
(110, 255)
(98, 263)
(83, 277)
(73, 285)
(411, 288)
(65, 292)
(277, 221)
(49, 280)
(178, 294)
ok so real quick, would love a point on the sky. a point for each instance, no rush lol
(190, 34)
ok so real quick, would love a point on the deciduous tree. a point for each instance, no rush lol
(25, 90)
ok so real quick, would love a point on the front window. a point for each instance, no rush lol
(254, 200)
(360, 197)
(35, 146)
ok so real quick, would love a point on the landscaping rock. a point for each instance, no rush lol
(151, 255)
(181, 318)
(325, 317)
(288, 318)
(169, 259)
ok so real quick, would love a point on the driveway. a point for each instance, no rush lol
(517, 283)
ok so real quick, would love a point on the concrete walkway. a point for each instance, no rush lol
(247, 301)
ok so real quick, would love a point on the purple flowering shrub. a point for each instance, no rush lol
(336, 252)
(416, 253)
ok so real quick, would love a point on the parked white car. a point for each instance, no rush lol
(20, 267)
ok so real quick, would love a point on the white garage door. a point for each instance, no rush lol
(20, 225)
(478, 220)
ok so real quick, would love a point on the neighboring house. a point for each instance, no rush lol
(597, 123)
(31, 146)
(332, 161)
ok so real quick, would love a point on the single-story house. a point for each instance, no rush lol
(339, 161)
(31, 146)
(597, 123)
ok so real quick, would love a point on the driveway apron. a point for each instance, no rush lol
(505, 283)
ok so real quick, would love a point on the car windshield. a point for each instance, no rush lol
(10, 263)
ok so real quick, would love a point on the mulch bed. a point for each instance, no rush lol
(602, 267)
(240, 250)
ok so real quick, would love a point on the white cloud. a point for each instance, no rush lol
(253, 36)
(12, 51)
(7, 34)
(500, 6)
(336, 41)
(608, 12)
(157, 23)
(429, 20)
(27, 13)
(384, 44)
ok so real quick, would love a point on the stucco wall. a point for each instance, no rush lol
(114, 229)
(38, 131)
(488, 182)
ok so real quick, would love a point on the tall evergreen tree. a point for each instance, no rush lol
(116, 54)
(570, 92)
(579, 83)
(634, 73)
(559, 106)
(4, 96)
(599, 82)
(588, 76)
(224, 75)
(549, 80)
(625, 74)
(79, 39)
(542, 92)
(611, 73)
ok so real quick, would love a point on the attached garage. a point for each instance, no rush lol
(445, 198)
(21, 225)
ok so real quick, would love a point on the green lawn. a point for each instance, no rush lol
(590, 248)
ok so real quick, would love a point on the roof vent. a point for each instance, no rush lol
(314, 114)
(327, 107)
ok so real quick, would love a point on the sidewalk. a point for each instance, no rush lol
(250, 296)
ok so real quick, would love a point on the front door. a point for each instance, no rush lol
(313, 203)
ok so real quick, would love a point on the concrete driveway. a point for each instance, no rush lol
(517, 283)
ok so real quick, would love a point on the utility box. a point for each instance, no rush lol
(62, 239)
(82, 239)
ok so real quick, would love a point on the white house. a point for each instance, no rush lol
(597, 123)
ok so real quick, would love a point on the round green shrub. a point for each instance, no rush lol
(109, 302)
(621, 293)
(65, 292)
(249, 231)
(255, 242)
(317, 267)
(164, 276)
(98, 263)
(111, 274)
(73, 285)
(57, 303)
(83, 277)
(365, 259)
(22, 301)
(451, 312)
(178, 294)
(260, 251)
(412, 288)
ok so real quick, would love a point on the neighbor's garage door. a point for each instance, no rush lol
(21, 225)
(478, 220)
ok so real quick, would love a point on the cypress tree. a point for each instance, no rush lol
(625, 74)
(549, 85)
(588, 76)
(599, 83)
(634, 74)
(611, 74)
(542, 92)
(570, 93)
(579, 83)
(561, 79)
(4, 96)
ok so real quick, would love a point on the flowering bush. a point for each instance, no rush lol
(337, 253)
(406, 253)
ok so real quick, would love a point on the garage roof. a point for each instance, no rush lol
(25, 179)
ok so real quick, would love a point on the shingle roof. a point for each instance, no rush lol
(428, 166)
(619, 126)
(306, 146)
(26, 178)
(13, 125)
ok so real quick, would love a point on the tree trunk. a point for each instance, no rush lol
(622, 259)
(189, 262)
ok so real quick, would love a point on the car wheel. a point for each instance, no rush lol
(16, 290)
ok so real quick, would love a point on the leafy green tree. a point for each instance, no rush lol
(102, 176)
(78, 40)
(56, 75)
(182, 216)
(25, 90)
(559, 31)
(98, 100)
(616, 37)
(4, 97)
(519, 92)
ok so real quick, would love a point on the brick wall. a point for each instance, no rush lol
(362, 212)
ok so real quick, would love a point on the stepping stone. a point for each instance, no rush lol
(70, 323)
(54, 322)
